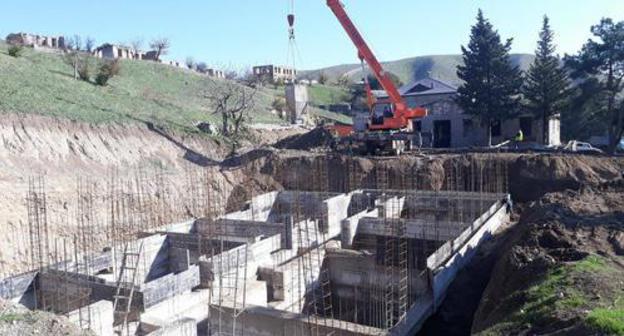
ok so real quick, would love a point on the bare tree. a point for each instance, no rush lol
(77, 42)
(74, 59)
(161, 46)
(136, 44)
(89, 44)
(232, 102)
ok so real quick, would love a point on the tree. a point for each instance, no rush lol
(89, 44)
(323, 79)
(376, 85)
(491, 85)
(547, 84)
(74, 59)
(344, 81)
(75, 43)
(136, 45)
(16, 51)
(107, 70)
(601, 62)
(161, 46)
(232, 102)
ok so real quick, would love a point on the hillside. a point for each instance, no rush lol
(40, 83)
(441, 67)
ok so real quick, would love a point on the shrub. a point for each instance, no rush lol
(107, 70)
(84, 70)
(16, 51)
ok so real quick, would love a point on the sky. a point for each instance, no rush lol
(235, 34)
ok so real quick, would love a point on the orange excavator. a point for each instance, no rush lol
(392, 131)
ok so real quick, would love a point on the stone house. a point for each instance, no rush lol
(274, 73)
(111, 51)
(448, 126)
(36, 41)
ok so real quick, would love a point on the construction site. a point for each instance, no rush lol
(287, 262)
(471, 194)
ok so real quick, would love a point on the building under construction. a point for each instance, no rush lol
(290, 262)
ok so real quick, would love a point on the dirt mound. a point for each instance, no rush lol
(562, 271)
(532, 176)
(319, 137)
(17, 320)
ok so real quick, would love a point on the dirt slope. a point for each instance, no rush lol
(563, 272)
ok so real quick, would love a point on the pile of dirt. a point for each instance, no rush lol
(317, 138)
(15, 319)
(563, 270)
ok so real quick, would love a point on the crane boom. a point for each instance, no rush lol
(402, 113)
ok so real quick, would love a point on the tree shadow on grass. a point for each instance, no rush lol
(190, 154)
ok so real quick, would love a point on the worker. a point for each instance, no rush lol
(519, 136)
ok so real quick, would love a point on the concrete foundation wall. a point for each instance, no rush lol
(184, 327)
(100, 316)
(169, 286)
(17, 287)
(260, 321)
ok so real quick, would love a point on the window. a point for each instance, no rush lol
(417, 125)
(496, 128)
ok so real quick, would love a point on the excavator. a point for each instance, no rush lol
(393, 131)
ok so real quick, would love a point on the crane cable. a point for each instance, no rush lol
(293, 54)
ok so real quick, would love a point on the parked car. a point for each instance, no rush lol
(582, 147)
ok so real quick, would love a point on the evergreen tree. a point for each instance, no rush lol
(491, 88)
(599, 66)
(547, 85)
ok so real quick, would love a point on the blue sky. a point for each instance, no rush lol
(240, 33)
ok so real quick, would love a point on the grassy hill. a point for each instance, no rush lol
(443, 67)
(40, 83)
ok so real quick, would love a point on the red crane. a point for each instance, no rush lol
(402, 114)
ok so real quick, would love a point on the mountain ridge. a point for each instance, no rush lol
(441, 67)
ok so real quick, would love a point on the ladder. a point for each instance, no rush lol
(389, 263)
(403, 262)
(126, 284)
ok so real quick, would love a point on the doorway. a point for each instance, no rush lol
(442, 134)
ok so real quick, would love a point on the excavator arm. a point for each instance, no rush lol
(402, 113)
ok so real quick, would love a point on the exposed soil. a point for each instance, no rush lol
(547, 233)
(576, 235)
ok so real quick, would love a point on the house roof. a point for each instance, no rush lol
(426, 86)
(421, 87)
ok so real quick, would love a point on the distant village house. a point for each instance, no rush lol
(36, 41)
(111, 51)
(448, 126)
(274, 73)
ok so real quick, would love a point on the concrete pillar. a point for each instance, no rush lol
(297, 101)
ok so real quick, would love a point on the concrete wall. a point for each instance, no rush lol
(463, 249)
(169, 286)
(260, 321)
(18, 288)
(183, 327)
(99, 315)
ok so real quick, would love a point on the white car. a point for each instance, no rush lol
(582, 147)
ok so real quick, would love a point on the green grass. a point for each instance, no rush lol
(12, 317)
(40, 83)
(326, 94)
(560, 293)
(608, 321)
